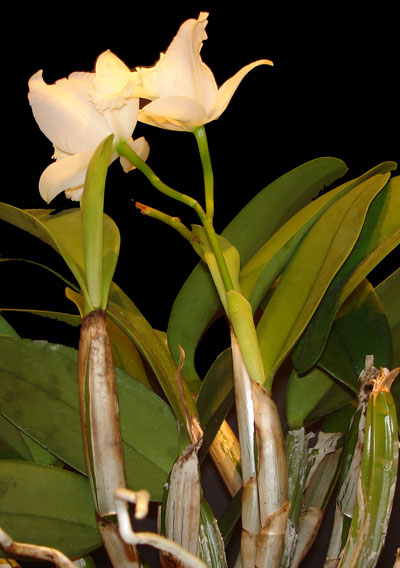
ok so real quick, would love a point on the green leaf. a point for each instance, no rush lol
(197, 302)
(20, 445)
(70, 319)
(99, 267)
(313, 395)
(63, 232)
(379, 236)
(258, 275)
(39, 394)
(47, 506)
(309, 273)
(147, 341)
(389, 294)
(40, 265)
(6, 328)
(361, 328)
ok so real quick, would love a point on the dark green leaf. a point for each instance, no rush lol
(379, 236)
(361, 328)
(198, 303)
(313, 395)
(147, 341)
(47, 506)
(39, 394)
(309, 273)
(63, 232)
(260, 272)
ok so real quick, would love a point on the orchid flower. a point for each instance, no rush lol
(181, 88)
(76, 114)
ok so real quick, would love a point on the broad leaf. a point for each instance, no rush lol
(361, 328)
(22, 446)
(258, 275)
(309, 273)
(47, 506)
(147, 341)
(197, 303)
(379, 236)
(39, 394)
(389, 294)
(6, 328)
(63, 232)
(313, 395)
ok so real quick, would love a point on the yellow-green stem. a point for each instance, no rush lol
(124, 149)
(173, 222)
(202, 144)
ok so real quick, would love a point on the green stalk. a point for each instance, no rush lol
(124, 150)
(201, 139)
(173, 222)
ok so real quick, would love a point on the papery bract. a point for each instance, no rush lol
(76, 114)
(181, 88)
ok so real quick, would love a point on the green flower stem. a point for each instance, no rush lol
(123, 149)
(202, 144)
(173, 222)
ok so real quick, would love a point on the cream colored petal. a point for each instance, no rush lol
(142, 149)
(174, 113)
(64, 174)
(180, 71)
(65, 114)
(227, 90)
(112, 82)
(122, 121)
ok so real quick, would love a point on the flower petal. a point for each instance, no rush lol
(122, 121)
(64, 174)
(228, 89)
(174, 113)
(180, 71)
(112, 84)
(65, 114)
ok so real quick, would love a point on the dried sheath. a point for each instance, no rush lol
(101, 430)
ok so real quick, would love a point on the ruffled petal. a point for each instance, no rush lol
(65, 114)
(142, 149)
(228, 89)
(174, 113)
(112, 84)
(122, 121)
(180, 71)
(64, 174)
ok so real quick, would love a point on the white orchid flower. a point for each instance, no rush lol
(76, 114)
(181, 88)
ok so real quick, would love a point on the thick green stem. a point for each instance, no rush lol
(202, 144)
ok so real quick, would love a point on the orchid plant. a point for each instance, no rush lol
(92, 434)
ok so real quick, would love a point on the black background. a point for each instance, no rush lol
(333, 91)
